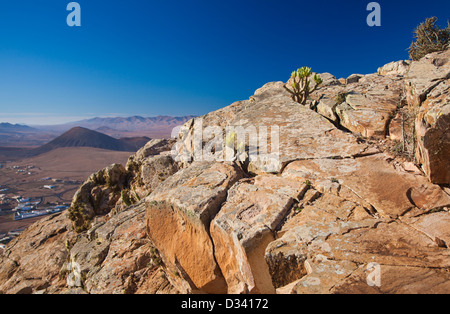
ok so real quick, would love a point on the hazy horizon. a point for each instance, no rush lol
(70, 119)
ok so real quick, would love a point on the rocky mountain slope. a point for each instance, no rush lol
(356, 202)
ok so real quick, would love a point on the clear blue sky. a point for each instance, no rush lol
(142, 57)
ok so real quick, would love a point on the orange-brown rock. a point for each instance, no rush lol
(32, 262)
(365, 107)
(179, 213)
(245, 226)
(332, 245)
(373, 180)
(395, 68)
(427, 86)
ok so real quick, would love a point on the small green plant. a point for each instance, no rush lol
(230, 140)
(341, 97)
(397, 148)
(301, 84)
(126, 198)
(156, 259)
(235, 149)
(429, 38)
(81, 220)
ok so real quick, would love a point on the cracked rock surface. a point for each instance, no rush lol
(339, 212)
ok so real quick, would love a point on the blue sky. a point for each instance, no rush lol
(141, 57)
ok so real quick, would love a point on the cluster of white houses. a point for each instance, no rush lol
(28, 208)
(6, 238)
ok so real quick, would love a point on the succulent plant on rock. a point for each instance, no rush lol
(301, 84)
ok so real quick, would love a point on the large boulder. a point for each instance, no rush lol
(179, 213)
(425, 75)
(364, 108)
(97, 196)
(114, 188)
(428, 92)
(395, 68)
(334, 246)
(116, 256)
(245, 226)
(113, 257)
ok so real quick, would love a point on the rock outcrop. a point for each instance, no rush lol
(244, 227)
(428, 91)
(101, 244)
(364, 107)
(267, 196)
(179, 213)
(396, 68)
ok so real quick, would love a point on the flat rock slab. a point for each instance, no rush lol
(374, 180)
(395, 280)
(332, 246)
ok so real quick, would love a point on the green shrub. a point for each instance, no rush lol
(429, 38)
(126, 198)
(301, 85)
(341, 97)
(77, 214)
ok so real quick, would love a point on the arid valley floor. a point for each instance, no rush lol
(64, 169)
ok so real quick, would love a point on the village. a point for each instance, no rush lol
(24, 201)
(26, 208)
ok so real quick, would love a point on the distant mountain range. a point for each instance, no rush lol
(18, 135)
(154, 127)
(135, 123)
(82, 137)
(14, 128)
